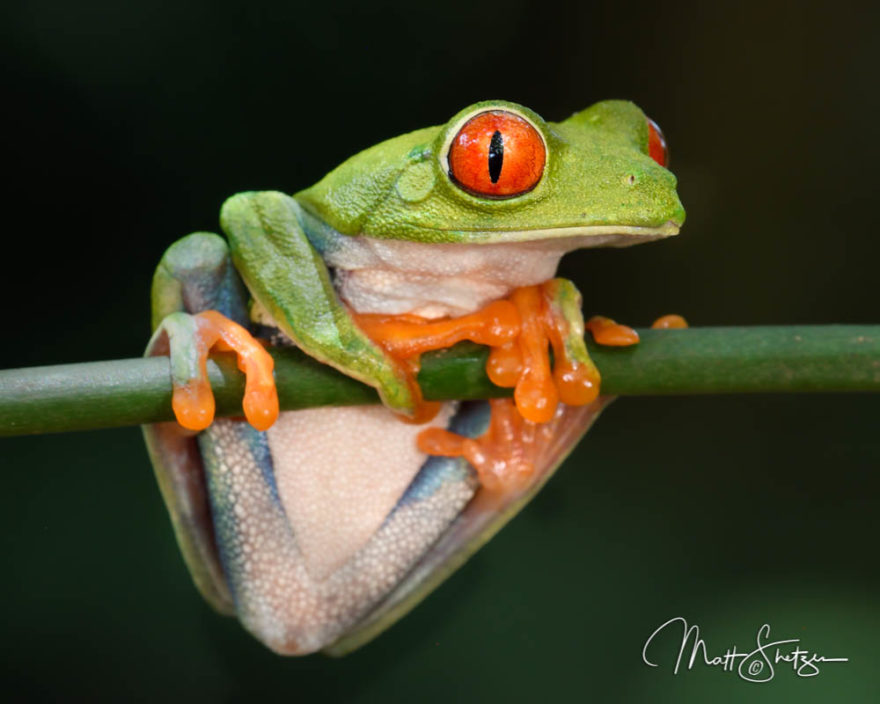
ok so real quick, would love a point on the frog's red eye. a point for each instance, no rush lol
(657, 144)
(497, 154)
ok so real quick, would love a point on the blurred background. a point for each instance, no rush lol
(124, 127)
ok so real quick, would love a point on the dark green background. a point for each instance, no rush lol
(125, 125)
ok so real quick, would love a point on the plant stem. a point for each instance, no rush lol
(695, 361)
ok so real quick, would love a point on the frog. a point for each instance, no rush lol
(320, 527)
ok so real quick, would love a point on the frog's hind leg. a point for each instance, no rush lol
(303, 529)
(194, 275)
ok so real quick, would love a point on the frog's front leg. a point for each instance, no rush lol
(289, 279)
(187, 296)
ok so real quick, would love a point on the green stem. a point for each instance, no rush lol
(695, 361)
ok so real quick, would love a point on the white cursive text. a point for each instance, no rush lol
(757, 665)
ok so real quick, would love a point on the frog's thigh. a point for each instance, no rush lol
(348, 508)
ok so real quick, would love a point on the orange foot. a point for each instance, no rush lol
(520, 332)
(503, 456)
(406, 337)
(193, 400)
(611, 334)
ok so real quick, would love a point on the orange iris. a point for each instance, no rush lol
(497, 154)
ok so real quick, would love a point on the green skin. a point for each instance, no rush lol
(598, 181)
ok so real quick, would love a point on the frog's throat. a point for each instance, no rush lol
(449, 276)
(394, 277)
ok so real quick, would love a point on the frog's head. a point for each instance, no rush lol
(497, 172)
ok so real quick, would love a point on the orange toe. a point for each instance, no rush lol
(609, 333)
(669, 322)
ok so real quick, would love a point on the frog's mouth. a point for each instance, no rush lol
(587, 235)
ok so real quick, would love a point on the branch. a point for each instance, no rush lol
(695, 361)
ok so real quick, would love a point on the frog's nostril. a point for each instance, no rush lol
(631, 179)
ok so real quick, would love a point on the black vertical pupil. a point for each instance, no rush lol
(496, 156)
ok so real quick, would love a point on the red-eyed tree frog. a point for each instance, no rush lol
(320, 527)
